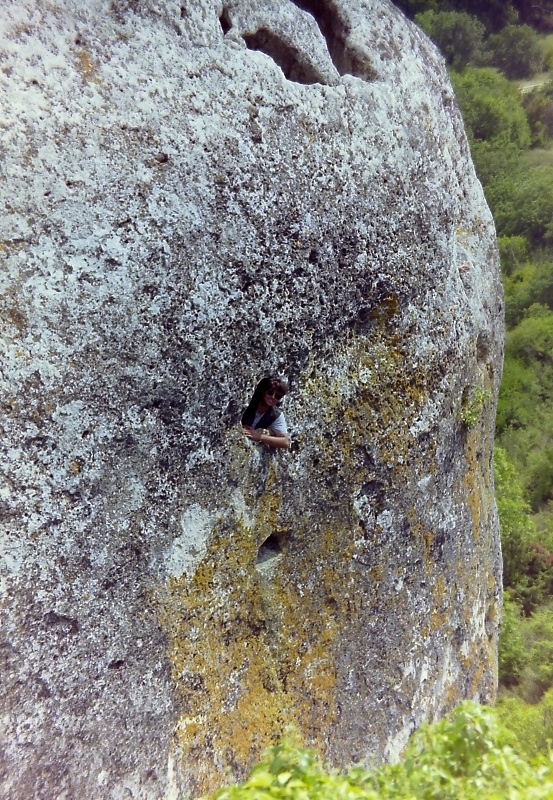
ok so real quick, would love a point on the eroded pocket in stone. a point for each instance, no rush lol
(285, 56)
(346, 60)
(270, 549)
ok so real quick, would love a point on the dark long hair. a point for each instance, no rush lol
(270, 382)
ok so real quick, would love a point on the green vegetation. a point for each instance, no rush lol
(473, 405)
(510, 130)
(532, 724)
(539, 111)
(516, 51)
(511, 139)
(493, 114)
(518, 533)
(494, 14)
(467, 756)
(500, 56)
(460, 37)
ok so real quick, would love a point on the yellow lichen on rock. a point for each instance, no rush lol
(246, 664)
(182, 215)
(87, 66)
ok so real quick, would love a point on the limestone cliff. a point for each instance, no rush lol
(196, 193)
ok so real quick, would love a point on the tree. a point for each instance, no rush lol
(522, 204)
(538, 105)
(517, 530)
(540, 489)
(532, 339)
(513, 655)
(530, 282)
(538, 674)
(495, 14)
(458, 36)
(513, 251)
(525, 422)
(413, 7)
(538, 14)
(519, 397)
(495, 162)
(531, 724)
(516, 50)
(491, 107)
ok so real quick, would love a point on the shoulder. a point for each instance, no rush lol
(271, 414)
(279, 424)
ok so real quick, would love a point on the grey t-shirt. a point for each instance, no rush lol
(278, 427)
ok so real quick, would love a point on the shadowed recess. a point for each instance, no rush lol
(287, 57)
(346, 60)
(269, 549)
(225, 21)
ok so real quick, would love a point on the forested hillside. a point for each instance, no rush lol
(500, 56)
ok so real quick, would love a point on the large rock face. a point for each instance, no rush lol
(195, 194)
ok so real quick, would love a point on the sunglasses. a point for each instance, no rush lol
(275, 393)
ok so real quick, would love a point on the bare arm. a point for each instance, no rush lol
(270, 439)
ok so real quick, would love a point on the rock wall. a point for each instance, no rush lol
(195, 194)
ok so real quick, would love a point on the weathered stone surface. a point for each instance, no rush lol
(180, 216)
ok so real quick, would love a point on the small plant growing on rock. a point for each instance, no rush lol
(473, 405)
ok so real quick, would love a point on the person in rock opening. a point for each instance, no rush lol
(263, 421)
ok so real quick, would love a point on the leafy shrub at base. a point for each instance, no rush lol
(466, 756)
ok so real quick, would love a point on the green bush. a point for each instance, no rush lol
(413, 7)
(531, 724)
(543, 521)
(526, 285)
(475, 400)
(522, 204)
(517, 51)
(526, 645)
(517, 531)
(538, 105)
(541, 287)
(537, 675)
(496, 162)
(513, 251)
(519, 396)
(525, 407)
(527, 552)
(459, 37)
(532, 340)
(540, 473)
(513, 655)
(491, 107)
(466, 756)
(548, 58)
(529, 448)
(495, 14)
